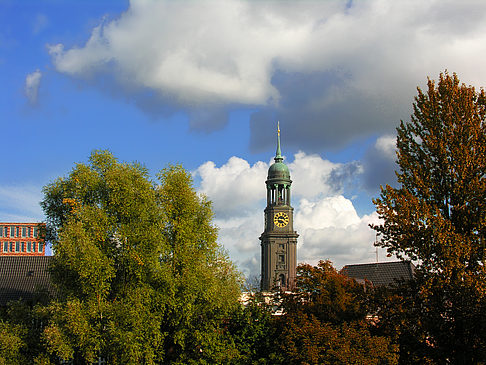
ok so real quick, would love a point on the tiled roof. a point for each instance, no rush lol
(381, 273)
(21, 277)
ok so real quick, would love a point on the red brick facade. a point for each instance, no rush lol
(21, 239)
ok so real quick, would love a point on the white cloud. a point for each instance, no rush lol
(330, 228)
(313, 176)
(342, 69)
(237, 187)
(234, 187)
(335, 211)
(31, 88)
(239, 236)
(387, 145)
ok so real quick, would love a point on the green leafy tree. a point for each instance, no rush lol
(21, 329)
(205, 286)
(11, 343)
(253, 331)
(436, 217)
(140, 275)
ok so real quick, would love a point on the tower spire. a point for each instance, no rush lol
(278, 154)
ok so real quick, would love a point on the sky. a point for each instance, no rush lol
(203, 83)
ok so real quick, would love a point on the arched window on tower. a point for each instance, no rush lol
(281, 281)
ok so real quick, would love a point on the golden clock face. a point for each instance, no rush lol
(281, 219)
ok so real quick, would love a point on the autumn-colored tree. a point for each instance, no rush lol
(325, 322)
(140, 276)
(326, 294)
(436, 217)
(306, 340)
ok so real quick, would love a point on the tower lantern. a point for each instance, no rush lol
(278, 240)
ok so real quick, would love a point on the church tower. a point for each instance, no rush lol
(278, 240)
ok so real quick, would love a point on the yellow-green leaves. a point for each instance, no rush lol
(140, 276)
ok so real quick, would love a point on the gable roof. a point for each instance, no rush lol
(22, 277)
(380, 273)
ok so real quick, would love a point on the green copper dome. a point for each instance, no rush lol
(278, 171)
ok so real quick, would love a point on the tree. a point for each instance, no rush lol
(325, 322)
(21, 327)
(11, 343)
(140, 275)
(436, 217)
(327, 295)
(253, 331)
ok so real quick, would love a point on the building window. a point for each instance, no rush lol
(5, 246)
(33, 246)
(12, 231)
(24, 231)
(29, 246)
(281, 280)
(36, 232)
(23, 246)
(1, 231)
(11, 246)
(5, 231)
(17, 232)
(40, 247)
(17, 246)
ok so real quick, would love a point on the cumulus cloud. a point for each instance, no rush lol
(31, 88)
(234, 187)
(330, 228)
(327, 222)
(239, 236)
(330, 71)
(314, 175)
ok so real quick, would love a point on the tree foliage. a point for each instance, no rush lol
(11, 343)
(325, 322)
(253, 331)
(326, 294)
(436, 217)
(140, 275)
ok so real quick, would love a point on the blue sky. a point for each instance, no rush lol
(203, 83)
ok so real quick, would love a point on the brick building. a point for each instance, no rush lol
(21, 239)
